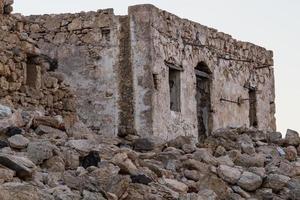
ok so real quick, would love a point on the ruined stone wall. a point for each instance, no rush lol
(86, 47)
(119, 69)
(6, 6)
(25, 78)
(234, 65)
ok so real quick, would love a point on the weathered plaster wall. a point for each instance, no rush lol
(183, 43)
(86, 46)
(141, 56)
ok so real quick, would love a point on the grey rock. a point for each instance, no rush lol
(13, 120)
(241, 192)
(260, 171)
(18, 191)
(18, 141)
(276, 181)
(214, 183)
(5, 111)
(291, 153)
(225, 160)
(229, 174)
(292, 138)
(180, 141)
(43, 129)
(87, 195)
(192, 175)
(40, 151)
(176, 185)
(205, 156)
(126, 165)
(274, 137)
(294, 187)
(245, 160)
(249, 181)
(207, 194)
(23, 167)
(220, 151)
(82, 145)
(189, 148)
(63, 193)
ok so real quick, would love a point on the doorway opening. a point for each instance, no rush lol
(203, 99)
(174, 87)
(252, 108)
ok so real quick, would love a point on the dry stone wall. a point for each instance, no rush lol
(86, 47)
(235, 67)
(26, 79)
(6, 7)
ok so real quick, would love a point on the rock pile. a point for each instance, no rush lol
(47, 160)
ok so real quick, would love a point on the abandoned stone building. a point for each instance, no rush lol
(148, 73)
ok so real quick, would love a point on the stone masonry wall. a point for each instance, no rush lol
(183, 43)
(26, 80)
(119, 66)
(86, 46)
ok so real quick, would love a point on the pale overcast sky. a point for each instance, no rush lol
(274, 24)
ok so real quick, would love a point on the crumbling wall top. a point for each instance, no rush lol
(6, 6)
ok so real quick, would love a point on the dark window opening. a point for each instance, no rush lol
(174, 85)
(33, 74)
(252, 108)
(203, 93)
(105, 34)
(155, 81)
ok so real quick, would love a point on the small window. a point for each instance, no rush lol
(174, 85)
(106, 33)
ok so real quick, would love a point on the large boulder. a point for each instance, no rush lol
(18, 141)
(249, 181)
(5, 112)
(229, 174)
(214, 183)
(10, 120)
(82, 145)
(245, 160)
(179, 141)
(42, 129)
(205, 155)
(276, 181)
(176, 185)
(40, 151)
(292, 138)
(291, 153)
(18, 191)
(23, 167)
(124, 163)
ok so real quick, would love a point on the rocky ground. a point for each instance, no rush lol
(42, 158)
